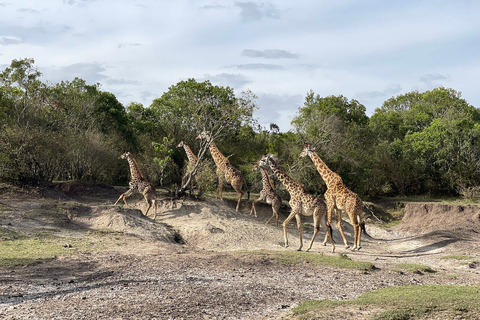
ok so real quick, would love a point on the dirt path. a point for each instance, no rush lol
(209, 277)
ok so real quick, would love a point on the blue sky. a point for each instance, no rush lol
(364, 50)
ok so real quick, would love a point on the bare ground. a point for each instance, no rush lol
(193, 261)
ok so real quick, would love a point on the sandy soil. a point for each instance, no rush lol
(191, 263)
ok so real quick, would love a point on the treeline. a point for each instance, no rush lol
(414, 144)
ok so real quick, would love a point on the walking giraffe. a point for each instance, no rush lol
(192, 161)
(268, 194)
(225, 171)
(140, 185)
(301, 202)
(339, 198)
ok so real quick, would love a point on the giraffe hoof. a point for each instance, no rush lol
(299, 249)
(324, 244)
(347, 246)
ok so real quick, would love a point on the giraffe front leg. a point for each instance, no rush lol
(299, 226)
(253, 207)
(290, 217)
(220, 188)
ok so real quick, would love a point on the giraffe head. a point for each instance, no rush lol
(306, 150)
(259, 164)
(125, 155)
(181, 144)
(263, 162)
(204, 135)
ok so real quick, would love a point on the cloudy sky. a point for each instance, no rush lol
(366, 50)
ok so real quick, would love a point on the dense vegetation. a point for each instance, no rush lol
(415, 143)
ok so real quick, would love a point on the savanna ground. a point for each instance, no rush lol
(67, 253)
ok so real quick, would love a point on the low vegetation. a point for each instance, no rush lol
(413, 268)
(17, 248)
(294, 257)
(404, 302)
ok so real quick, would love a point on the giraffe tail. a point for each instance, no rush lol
(362, 225)
(330, 232)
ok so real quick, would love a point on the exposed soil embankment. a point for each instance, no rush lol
(430, 217)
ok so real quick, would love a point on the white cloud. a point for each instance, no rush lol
(251, 11)
(227, 79)
(10, 40)
(269, 54)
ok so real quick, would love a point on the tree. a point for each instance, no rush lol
(190, 107)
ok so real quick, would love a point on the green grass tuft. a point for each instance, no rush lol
(27, 251)
(457, 257)
(405, 302)
(294, 257)
(7, 234)
(413, 268)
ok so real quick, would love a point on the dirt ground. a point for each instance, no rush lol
(193, 262)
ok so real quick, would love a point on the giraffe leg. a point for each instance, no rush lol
(316, 225)
(253, 206)
(299, 226)
(220, 187)
(124, 196)
(290, 217)
(274, 213)
(238, 187)
(149, 205)
(330, 207)
(154, 201)
(338, 215)
(328, 233)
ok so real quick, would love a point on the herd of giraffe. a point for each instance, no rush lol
(338, 198)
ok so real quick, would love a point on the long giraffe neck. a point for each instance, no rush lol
(217, 156)
(192, 158)
(267, 183)
(331, 178)
(290, 184)
(134, 169)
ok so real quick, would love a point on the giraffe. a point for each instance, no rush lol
(192, 161)
(225, 171)
(139, 184)
(268, 194)
(339, 198)
(301, 202)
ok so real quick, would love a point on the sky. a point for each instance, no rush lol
(368, 50)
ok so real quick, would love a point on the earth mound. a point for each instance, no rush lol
(422, 218)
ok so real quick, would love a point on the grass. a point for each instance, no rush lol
(295, 257)
(404, 302)
(413, 268)
(459, 257)
(7, 234)
(18, 249)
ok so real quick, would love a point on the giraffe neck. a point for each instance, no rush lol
(217, 156)
(290, 184)
(192, 158)
(267, 183)
(134, 169)
(330, 177)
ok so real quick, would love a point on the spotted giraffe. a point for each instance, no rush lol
(339, 198)
(225, 171)
(301, 202)
(268, 194)
(192, 161)
(138, 184)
